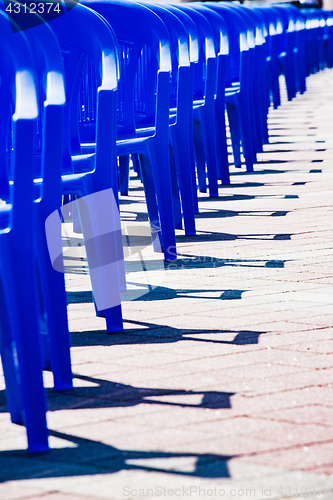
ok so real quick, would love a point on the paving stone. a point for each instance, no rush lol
(18, 492)
(299, 458)
(314, 414)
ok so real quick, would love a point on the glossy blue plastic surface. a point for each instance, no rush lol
(84, 34)
(143, 107)
(205, 78)
(193, 44)
(19, 333)
(221, 44)
(48, 159)
(164, 76)
(181, 142)
(238, 93)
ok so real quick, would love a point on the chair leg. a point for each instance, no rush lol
(200, 161)
(234, 125)
(209, 137)
(177, 211)
(42, 322)
(23, 323)
(257, 108)
(55, 300)
(161, 172)
(75, 216)
(114, 319)
(123, 174)
(13, 388)
(66, 208)
(222, 147)
(182, 157)
(149, 188)
(192, 167)
(136, 164)
(101, 227)
(275, 85)
(246, 136)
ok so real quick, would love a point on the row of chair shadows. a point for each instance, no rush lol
(96, 84)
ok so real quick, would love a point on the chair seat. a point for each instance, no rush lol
(145, 132)
(85, 162)
(5, 210)
(198, 103)
(235, 89)
(5, 207)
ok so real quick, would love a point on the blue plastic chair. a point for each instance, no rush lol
(311, 25)
(285, 50)
(179, 135)
(143, 108)
(20, 341)
(324, 36)
(221, 43)
(238, 90)
(315, 22)
(329, 38)
(299, 48)
(48, 158)
(273, 31)
(288, 48)
(205, 77)
(182, 169)
(260, 87)
(82, 35)
(252, 79)
(193, 41)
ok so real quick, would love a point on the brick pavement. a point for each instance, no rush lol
(221, 384)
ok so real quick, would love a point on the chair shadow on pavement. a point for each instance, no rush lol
(85, 457)
(105, 394)
(81, 457)
(195, 262)
(151, 333)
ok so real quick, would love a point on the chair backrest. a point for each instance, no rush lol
(180, 51)
(205, 69)
(259, 59)
(259, 27)
(51, 94)
(219, 27)
(84, 35)
(285, 28)
(316, 34)
(145, 64)
(18, 122)
(270, 29)
(254, 42)
(298, 45)
(237, 64)
(192, 35)
(191, 30)
(221, 42)
(329, 42)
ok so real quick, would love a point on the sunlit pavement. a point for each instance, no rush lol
(221, 384)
